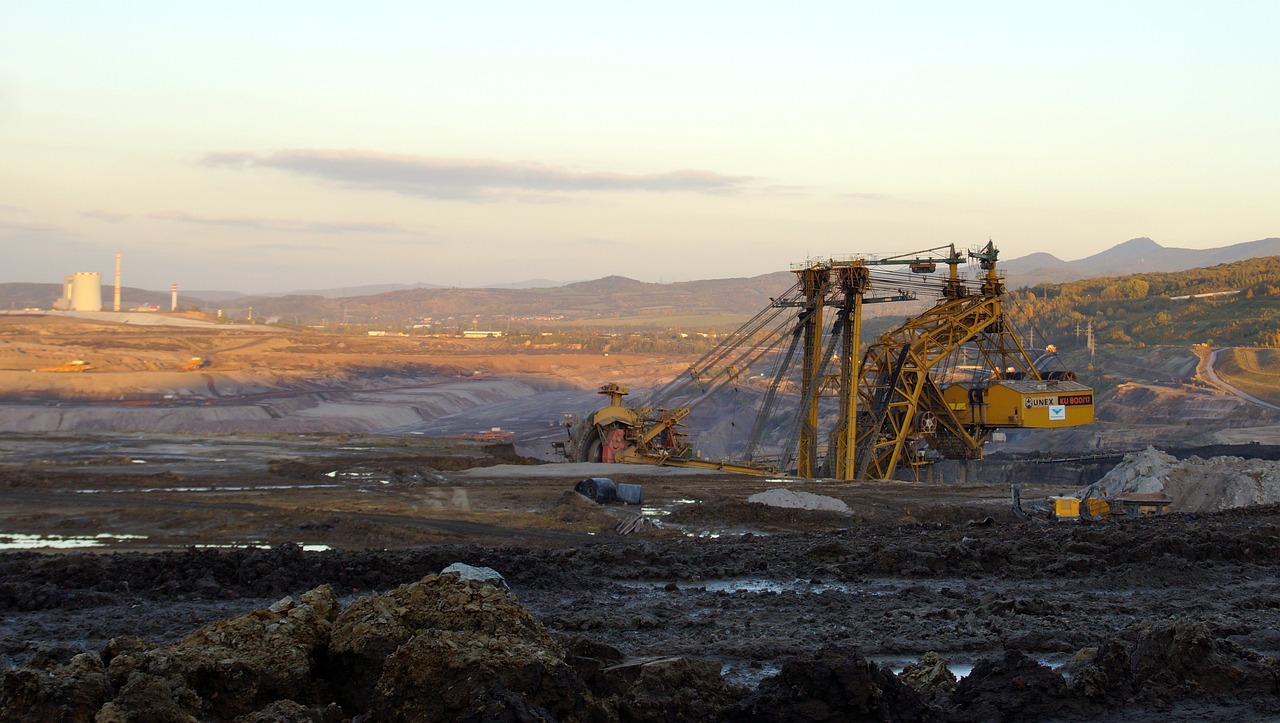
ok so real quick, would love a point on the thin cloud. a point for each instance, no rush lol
(277, 224)
(36, 229)
(463, 178)
(105, 216)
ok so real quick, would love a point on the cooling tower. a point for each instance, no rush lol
(84, 291)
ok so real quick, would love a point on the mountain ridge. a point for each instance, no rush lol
(707, 302)
(1135, 256)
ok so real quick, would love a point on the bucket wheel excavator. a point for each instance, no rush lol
(935, 387)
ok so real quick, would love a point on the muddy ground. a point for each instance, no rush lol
(912, 569)
(163, 501)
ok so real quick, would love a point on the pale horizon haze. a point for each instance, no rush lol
(277, 146)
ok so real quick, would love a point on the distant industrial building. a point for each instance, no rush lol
(81, 291)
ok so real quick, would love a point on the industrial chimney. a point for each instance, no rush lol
(174, 298)
(116, 305)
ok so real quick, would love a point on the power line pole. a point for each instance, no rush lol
(1092, 347)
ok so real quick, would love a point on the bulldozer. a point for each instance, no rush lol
(73, 366)
(936, 387)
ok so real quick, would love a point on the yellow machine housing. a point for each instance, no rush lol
(1065, 507)
(1030, 404)
(615, 412)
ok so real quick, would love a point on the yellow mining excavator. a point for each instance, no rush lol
(195, 363)
(935, 387)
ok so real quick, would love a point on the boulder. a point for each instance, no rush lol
(929, 674)
(479, 574)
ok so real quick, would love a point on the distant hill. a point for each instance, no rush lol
(1137, 255)
(212, 295)
(349, 291)
(1236, 303)
(610, 297)
(711, 303)
(530, 284)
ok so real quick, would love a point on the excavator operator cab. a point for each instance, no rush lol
(1022, 403)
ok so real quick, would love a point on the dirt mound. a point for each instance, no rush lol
(582, 513)
(1169, 660)
(436, 622)
(442, 649)
(1195, 484)
(665, 689)
(1012, 688)
(447, 675)
(833, 684)
(227, 669)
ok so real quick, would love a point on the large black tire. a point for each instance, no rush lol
(593, 447)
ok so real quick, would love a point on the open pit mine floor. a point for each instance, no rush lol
(784, 613)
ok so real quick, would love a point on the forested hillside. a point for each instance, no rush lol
(1144, 309)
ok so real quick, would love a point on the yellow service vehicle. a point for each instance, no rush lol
(1085, 506)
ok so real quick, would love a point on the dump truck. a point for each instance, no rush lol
(75, 365)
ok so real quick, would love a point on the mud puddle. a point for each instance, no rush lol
(21, 541)
(206, 488)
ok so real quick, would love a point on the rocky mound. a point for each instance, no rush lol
(441, 649)
(1170, 660)
(447, 648)
(1194, 484)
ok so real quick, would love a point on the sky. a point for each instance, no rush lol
(274, 146)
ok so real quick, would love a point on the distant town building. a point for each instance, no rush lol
(479, 334)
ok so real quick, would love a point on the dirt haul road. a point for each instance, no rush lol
(803, 614)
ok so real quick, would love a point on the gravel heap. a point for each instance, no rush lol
(781, 497)
(1195, 484)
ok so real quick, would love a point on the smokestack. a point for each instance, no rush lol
(116, 306)
(174, 302)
